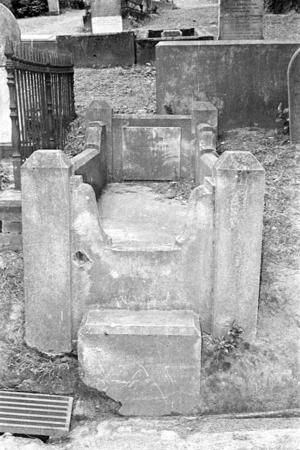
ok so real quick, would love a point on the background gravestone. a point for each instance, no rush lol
(53, 6)
(294, 97)
(9, 28)
(241, 19)
(106, 16)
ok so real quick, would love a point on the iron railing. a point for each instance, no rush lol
(41, 87)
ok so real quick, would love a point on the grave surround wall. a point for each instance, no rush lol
(244, 80)
(97, 50)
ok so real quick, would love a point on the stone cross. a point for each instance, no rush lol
(241, 19)
(294, 97)
(106, 16)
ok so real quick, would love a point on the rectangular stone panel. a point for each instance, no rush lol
(151, 153)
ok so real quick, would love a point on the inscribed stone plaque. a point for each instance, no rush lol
(9, 28)
(294, 97)
(241, 19)
(104, 25)
(151, 153)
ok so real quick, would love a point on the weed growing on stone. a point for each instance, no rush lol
(218, 352)
(283, 118)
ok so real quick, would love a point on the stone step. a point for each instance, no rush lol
(149, 361)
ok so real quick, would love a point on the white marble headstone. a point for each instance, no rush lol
(106, 16)
(9, 28)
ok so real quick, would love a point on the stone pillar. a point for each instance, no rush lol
(9, 28)
(294, 97)
(106, 16)
(100, 111)
(46, 219)
(53, 7)
(239, 202)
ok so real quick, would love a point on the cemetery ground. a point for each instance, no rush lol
(261, 376)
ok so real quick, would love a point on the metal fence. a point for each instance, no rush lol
(41, 88)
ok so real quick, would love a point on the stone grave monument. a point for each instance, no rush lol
(294, 97)
(241, 19)
(106, 16)
(9, 28)
(53, 7)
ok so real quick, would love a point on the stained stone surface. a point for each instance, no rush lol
(151, 153)
(294, 97)
(9, 28)
(147, 360)
(241, 19)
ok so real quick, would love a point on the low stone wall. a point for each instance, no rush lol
(99, 50)
(244, 80)
(10, 220)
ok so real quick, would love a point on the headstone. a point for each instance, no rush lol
(106, 16)
(9, 28)
(294, 97)
(53, 7)
(147, 360)
(241, 19)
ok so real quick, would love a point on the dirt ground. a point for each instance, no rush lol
(258, 377)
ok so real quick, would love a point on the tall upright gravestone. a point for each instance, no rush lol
(9, 28)
(294, 97)
(241, 19)
(106, 16)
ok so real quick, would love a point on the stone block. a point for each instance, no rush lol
(11, 227)
(10, 241)
(244, 80)
(10, 205)
(294, 97)
(147, 360)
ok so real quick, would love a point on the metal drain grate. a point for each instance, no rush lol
(36, 414)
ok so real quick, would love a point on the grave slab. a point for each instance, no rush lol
(147, 360)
